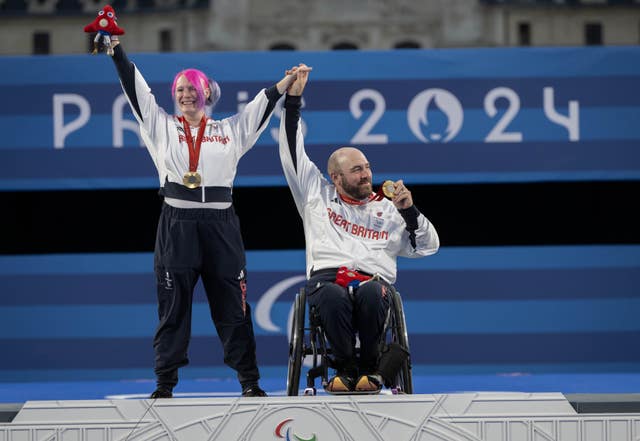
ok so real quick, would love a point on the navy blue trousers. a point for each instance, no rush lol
(207, 244)
(343, 316)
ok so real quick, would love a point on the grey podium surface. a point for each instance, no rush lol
(469, 416)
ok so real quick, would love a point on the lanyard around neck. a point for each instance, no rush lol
(194, 150)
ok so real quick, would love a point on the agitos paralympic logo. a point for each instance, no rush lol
(288, 435)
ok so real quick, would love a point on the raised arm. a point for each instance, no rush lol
(126, 72)
(302, 175)
(292, 105)
(249, 124)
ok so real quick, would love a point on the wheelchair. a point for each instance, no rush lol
(308, 340)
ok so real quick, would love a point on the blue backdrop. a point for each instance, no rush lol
(468, 310)
(463, 115)
(436, 116)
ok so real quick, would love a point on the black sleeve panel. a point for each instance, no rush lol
(273, 96)
(410, 216)
(292, 106)
(126, 72)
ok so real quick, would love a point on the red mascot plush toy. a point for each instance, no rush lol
(105, 25)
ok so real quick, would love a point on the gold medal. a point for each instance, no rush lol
(192, 180)
(388, 188)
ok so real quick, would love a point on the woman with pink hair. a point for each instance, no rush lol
(198, 233)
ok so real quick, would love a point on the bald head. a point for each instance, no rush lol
(340, 157)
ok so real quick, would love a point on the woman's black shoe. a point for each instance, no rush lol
(253, 391)
(161, 392)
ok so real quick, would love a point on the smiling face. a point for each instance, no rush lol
(190, 91)
(351, 173)
(186, 97)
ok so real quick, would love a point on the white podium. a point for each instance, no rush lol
(449, 417)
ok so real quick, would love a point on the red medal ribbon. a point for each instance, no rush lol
(194, 151)
(348, 200)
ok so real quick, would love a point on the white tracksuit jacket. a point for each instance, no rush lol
(366, 237)
(224, 142)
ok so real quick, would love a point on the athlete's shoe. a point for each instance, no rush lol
(369, 383)
(253, 391)
(162, 392)
(340, 384)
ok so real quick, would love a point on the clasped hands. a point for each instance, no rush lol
(297, 76)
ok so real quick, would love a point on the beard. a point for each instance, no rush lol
(361, 190)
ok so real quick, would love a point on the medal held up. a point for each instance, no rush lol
(388, 188)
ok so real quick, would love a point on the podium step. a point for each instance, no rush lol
(470, 416)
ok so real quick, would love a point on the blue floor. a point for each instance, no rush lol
(617, 382)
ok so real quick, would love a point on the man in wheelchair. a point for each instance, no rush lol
(353, 238)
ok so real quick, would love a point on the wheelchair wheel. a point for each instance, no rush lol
(296, 352)
(400, 336)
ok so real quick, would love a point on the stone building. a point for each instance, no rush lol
(55, 26)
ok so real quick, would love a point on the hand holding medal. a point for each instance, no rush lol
(398, 193)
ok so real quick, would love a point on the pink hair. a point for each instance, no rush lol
(197, 78)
